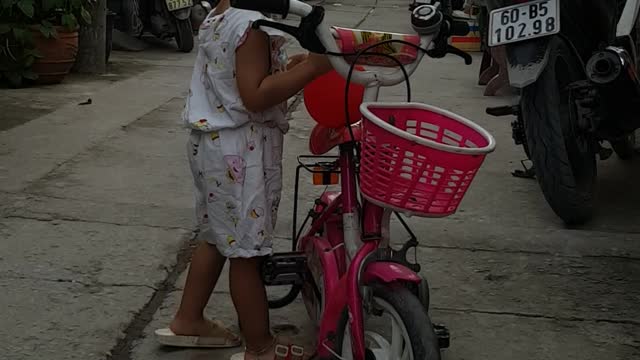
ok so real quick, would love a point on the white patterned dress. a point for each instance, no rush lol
(235, 155)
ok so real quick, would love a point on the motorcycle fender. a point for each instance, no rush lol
(388, 272)
(526, 61)
(182, 14)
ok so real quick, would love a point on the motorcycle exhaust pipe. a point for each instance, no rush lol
(613, 67)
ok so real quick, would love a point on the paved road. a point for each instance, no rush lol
(95, 206)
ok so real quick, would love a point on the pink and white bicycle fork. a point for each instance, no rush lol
(360, 272)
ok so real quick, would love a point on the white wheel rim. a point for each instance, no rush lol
(397, 348)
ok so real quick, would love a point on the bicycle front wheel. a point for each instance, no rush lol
(396, 328)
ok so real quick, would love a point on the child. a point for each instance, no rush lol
(236, 109)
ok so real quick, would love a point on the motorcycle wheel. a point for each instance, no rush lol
(184, 35)
(563, 156)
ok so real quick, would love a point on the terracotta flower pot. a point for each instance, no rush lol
(58, 56)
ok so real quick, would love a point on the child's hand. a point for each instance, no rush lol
(296, 59)
(320, 63)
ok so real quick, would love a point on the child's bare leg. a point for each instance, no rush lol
(250, 299)
(204, 271)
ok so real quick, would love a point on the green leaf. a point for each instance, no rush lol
(26, 6)
(69, 21)
(33, 52)
(47, 30)
(4, 29)
(86, 16)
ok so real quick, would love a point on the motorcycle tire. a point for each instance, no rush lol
(563, 156)
(416, 322)
(184, 35)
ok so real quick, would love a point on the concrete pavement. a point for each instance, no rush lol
(96, 220)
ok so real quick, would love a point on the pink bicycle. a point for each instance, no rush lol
(400, 158)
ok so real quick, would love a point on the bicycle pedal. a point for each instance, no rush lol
(284, 269)
(444, 338)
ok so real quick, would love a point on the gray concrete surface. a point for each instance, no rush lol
(96, 220)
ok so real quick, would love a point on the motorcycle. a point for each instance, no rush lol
(575, 63)
(167, 19)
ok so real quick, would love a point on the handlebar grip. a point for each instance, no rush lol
(280, 7)
(459, 28)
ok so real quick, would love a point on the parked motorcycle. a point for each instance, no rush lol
(576, 64)
(166, 19)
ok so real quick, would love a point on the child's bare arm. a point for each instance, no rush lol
(261, 91)
(296, 59)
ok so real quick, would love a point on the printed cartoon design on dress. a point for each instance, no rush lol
(214, 180)
(205, 24)
(231, 213)
(236, 168)
(230, 240)
(256, 213)
(215, 135)
(279, 56)
(211, 198)
(218, 64)
(216, 27)
(200, 124)
(204, 79)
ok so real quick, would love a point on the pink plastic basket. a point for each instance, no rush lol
(419, 159)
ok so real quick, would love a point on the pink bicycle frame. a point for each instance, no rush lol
(361, 240)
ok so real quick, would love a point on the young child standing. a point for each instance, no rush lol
(236, 110)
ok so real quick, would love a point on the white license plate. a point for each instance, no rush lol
(173, 5)
(524, 21)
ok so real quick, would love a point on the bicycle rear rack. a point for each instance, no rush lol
(314, 165)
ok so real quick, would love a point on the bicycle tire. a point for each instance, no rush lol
(423, 340)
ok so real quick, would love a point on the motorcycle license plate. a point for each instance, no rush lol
(173, 5)
(524, 21)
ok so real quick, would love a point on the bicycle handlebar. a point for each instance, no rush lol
(313, 24)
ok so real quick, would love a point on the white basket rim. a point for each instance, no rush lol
(490, 147)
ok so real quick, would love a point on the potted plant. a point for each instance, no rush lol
(39, 38)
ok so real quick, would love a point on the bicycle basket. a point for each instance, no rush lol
(419, 159)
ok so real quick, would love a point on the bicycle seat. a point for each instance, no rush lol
(324, 139)
(354, 40)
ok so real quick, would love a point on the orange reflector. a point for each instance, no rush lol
(323, 177)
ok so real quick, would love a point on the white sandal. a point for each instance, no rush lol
(226, 340)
